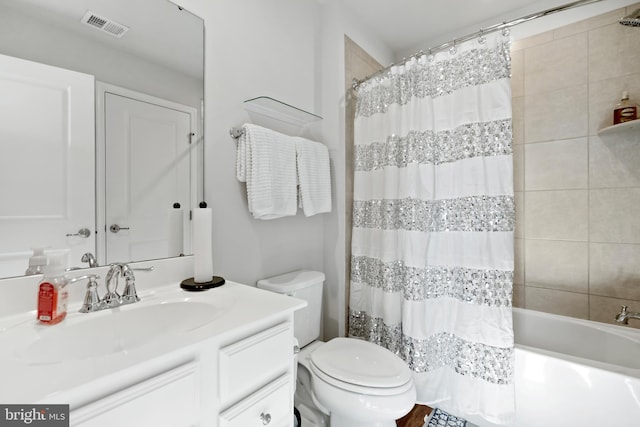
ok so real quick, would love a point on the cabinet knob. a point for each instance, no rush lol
(265, 418)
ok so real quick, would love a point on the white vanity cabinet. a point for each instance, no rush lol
(256, 379)
(242, 380)
(170, 398)
(220, 358)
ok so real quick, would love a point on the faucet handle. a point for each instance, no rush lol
(129, 295)
(91, 299)
(623, 309)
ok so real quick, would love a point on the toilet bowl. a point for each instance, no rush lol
(359, 384)
(353, 382)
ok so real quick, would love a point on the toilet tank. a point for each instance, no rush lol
(305, 285)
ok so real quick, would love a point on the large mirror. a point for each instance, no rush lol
(101, 134)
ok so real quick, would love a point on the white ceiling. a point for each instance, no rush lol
(406, 26)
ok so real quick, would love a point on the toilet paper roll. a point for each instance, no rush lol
(202, 245)
(176, 232)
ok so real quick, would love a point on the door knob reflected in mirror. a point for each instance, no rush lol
(83, 232)
(115, 228)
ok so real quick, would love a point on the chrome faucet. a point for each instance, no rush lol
(93, 302)
(112, 299)
(624, 316)
(129, 295)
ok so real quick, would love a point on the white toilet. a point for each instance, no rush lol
(354, 382)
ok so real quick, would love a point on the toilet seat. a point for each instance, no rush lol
(361, 367)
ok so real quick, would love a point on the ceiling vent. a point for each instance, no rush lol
(104, 24)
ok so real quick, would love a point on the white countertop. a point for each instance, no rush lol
(76, 380)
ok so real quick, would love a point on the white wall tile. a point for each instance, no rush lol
(614, 215)
(613, 270)
(556, 165)
(517, 112)
(557, 302)
(556, 215)
(558, 64)
(518, 167)
(560, 114)
(534, 40)
(613, 51)
(614, 161)
(557, 264)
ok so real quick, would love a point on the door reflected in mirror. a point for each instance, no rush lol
(97, 131)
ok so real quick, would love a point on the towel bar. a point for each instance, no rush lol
(236, 132)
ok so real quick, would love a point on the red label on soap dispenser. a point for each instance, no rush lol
(51, 304)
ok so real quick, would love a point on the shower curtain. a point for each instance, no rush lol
(433, 221)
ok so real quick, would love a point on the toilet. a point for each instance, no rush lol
(346, 381)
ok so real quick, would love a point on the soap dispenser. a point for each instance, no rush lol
(37, 262)
(53, 293)
(625, 111)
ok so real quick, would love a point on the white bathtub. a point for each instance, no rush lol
(571, 372)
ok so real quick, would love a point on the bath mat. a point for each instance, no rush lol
(440, 418)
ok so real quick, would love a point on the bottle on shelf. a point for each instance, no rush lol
(625, 111)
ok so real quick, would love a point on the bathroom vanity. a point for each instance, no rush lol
(221, 357)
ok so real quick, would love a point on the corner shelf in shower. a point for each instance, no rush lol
(279, 110)
(620, 128)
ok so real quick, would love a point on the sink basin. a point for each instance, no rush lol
(87, 336)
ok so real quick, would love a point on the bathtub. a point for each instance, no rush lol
(571, 372)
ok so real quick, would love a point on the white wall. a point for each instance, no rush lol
(292, 50)
(254, 48)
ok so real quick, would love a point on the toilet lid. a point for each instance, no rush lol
(360, 362)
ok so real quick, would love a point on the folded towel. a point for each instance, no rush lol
(314, 177)
(266, 161)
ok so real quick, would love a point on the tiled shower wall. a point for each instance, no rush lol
(577, 193)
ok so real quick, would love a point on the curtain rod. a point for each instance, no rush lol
(490, 29)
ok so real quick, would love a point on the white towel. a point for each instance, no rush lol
(314, 176)
(266, 161)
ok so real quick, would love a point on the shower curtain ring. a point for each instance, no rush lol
(430, 57)
(506, 31)
(453, 50)
(482, 38)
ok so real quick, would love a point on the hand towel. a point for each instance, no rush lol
(314, 178)
(268, 165)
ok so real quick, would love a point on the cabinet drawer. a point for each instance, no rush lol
(248, 364)
(270, 406)
(168, 399)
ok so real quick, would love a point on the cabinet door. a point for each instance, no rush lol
(252, 362)
(270, 406)
(170, 399)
